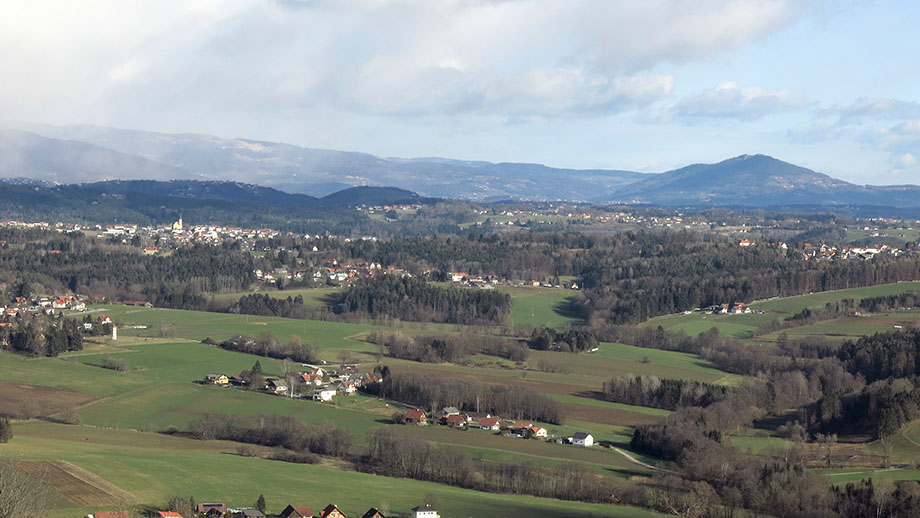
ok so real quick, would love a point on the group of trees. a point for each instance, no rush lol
(447, 348)
(669, 394)
(267, 345)
(265, 305)
(277, 431)
(42, 335)
(409, 298)
(434, 393)
(118, 271)
(571, 340)
(884, 303)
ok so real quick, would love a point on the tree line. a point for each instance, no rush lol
(275, 430)
(574, 340)
(267, 345)
(446, 348)
(409, 298)
(652, 391)
(434, 393)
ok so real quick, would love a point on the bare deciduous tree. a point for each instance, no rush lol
(21, 496)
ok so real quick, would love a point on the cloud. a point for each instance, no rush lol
(729, 101)
(872, 109)
(183, 62)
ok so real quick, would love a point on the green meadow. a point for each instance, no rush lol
(154, 467)
(792, 305)
(743, 326)
(160, 391)
(541, 307)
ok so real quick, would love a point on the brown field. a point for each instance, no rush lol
(28, 401)
(76, 486)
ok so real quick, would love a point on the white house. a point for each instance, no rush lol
(325, 394)
(538, 431)
(425, 511)
(583, 439)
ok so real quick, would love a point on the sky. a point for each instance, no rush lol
(646, 85)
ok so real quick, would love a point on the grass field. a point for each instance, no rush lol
(793, 305)
(743, 326)
(152, 468)
(117, 409)
(197, 325)
(313, 298)
(738, 326)
(541, 307)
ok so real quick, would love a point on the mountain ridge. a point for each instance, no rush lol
(754, 180)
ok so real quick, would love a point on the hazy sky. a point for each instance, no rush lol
(647, 85)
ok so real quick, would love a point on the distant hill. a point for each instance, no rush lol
(75, 154)
(370, 196)
(207, 190)
(295, 169)
(759, 181)
(38, 158)
(149, 202)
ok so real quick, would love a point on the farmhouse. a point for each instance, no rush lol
(347, 387)
(583, 439)
(277, 386)
(169, 514)
(373, 512)
(207, 508)
(416, 416)
(538, 431)
(425, 511)
(311, 379)
(297, 512)
(490, 423)
(521, 429)
(457, 420)
(216, 379)
(332, 511)
(739, 308)
(325, 394)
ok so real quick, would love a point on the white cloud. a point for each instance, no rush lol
(730, 101)
(872, 109)
(183, 62)
(907, 160)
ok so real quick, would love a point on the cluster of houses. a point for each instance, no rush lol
(738, 308)
(331, 270)
(323, 384)
(221, 510)
(824, 252)
(47, 305)
(452, 417)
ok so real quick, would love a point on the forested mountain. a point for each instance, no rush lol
(147, 202)
(759, 180)
(74, 154)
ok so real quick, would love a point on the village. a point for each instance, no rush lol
(222, 510)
